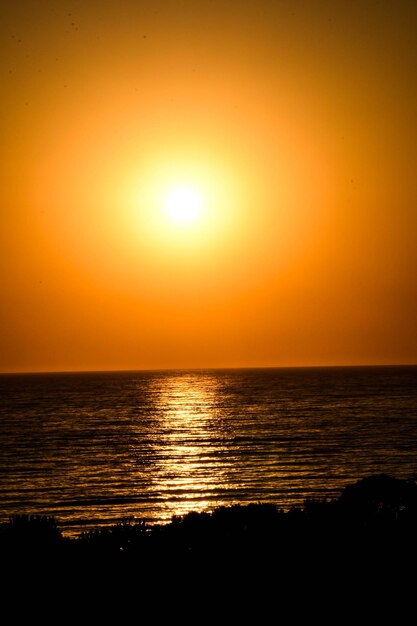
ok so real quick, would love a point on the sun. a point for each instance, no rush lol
(182, 208)
(183, 204)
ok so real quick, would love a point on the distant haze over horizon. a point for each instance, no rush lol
(207, 185)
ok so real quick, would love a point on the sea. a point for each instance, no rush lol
(93, 449)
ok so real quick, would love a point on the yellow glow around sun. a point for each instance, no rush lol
(182, 208)
(183, 204)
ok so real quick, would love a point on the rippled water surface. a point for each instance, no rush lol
(94, 448)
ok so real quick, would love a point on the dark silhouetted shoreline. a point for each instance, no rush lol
(371, 528)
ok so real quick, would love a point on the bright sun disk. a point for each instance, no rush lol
(183, 204)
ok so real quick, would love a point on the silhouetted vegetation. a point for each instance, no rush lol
(370, 527)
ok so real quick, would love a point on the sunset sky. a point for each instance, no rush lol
(292, 127)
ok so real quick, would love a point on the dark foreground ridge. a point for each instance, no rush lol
(369, 531)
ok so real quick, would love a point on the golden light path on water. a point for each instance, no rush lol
(214, 444)
(189, 463)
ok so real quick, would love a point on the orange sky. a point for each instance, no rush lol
(296, 121)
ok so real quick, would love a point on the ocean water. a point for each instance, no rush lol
(94, 448)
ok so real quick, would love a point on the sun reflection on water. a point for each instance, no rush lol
(189, 468)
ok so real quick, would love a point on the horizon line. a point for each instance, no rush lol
(202, 369)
